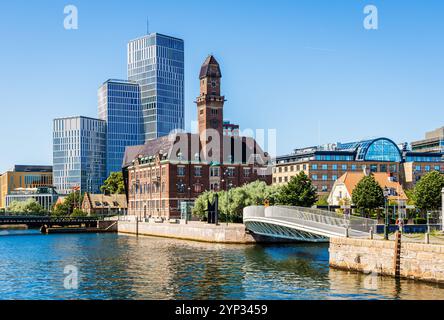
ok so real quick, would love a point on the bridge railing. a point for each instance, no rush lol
(329, 221)
(351, 221)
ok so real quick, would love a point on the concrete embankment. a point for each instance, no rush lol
(194, 231)
(416, 261)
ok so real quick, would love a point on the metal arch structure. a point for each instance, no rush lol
(305, 224)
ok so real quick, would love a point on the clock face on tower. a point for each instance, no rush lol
(213, 84)
(214, 123)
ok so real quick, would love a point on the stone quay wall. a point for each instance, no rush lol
(418, 261)
(194, 231)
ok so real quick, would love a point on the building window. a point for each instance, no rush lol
(334, 178)
(181, 171)
(418, 168)
(325, 167)
(314, 167)
(314, 177)
(197, 188)
(324, 177)
(334, 167)
(324, 188)
(198, 171)
(373, 168)
(180, 187)
(230, 172)
(354, 167)
(214, 172)
(427, 168)
(247, 172)
(344, 167)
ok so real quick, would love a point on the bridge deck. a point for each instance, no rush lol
(304, 224)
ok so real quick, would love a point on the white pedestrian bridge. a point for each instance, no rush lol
(305, 224)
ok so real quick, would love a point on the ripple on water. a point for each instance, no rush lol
(124, 267)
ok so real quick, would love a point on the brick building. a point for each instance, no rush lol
(164, 173)
(326, 164)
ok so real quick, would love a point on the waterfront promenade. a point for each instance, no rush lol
(193, 230)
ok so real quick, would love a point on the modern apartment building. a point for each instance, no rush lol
(156, 63)
(119, 107)
(79, 154)
(433, 142)
(325, 164)
(24, 176)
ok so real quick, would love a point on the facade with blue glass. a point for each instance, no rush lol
(325, 164)
(79, 154)
(156, 63)
(119, 107)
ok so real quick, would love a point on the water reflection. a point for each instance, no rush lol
(126, 267)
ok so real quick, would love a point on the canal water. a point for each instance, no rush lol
(114, 266)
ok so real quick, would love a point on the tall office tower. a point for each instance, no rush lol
(79, 154)
(119, 107)
(156, 63)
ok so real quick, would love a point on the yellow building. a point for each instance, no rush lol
(24, 177)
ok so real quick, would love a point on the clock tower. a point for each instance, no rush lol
(210, 107)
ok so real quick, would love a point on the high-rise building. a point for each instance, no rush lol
(119, 107)
(156, 63)
(79, 154)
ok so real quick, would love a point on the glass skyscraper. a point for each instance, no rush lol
(156, 63)
(119, 107)
(79, 154)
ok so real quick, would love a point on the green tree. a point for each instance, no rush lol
(410, 193)
(114, 184)
(28, 207)
(233, 202)
(299, 192)
(71, 202)
(322, 201)
(79, 213)
(427, 193)
(201, 204)
(368, 194)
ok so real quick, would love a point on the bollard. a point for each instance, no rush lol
(427, 238)
(371, 233)
(347, 233)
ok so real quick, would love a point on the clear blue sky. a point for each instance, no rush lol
(296, 66)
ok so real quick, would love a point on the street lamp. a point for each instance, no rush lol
(428, 221)
(386, 227)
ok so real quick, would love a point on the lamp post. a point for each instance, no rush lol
(228, 198)
(188, 205)
(386, 227)
(428, 221)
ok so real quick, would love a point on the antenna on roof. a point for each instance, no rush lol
(147, 26)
